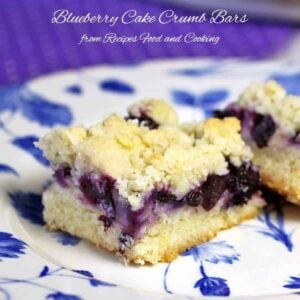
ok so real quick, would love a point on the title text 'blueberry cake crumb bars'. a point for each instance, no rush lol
(147, 187)
(271, 126)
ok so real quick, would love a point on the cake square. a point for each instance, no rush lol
(270, 121)
(147, 187)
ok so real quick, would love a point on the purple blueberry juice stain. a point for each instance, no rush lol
(295, 140)
(62, 175)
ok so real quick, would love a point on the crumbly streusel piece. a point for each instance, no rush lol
(271, 125)
(149, 194)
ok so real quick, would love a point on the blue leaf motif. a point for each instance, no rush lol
(67, 239)
(84, 273)
(10, 247)
(293, 283)
(96, 282)
(212, 286)
(9, 99)
(212, 97)
(29, 206)
(289, 81)
(116, 86)
(7, 169)
(183, 97)
(196, 72)
(214, 252)
(27, 143)
(33, 106)
(273, 221)
(44, 272)
(74, 89)
(62, 296)
(207, 101)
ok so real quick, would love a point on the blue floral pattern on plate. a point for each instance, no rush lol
(26, 114)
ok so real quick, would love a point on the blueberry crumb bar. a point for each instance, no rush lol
(270, 120)
(147, 187)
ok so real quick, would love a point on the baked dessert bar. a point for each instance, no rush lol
(271, 126)
(145, 193)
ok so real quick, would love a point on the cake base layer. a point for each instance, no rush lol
(172, 234)
(280, 170)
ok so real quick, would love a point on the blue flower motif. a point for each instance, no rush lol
(29, 206)
(7, 169)
(212, 286)
(74, 89)
(289, 81)
(213, 252)
(293, 283)
(62, 296)
(207, 101)
(10, 247)
(27, 143)
(67, 239)
(116, 86)
(34, 107)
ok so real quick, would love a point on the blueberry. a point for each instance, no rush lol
(91, 189)
(62, 175)
(107, 221)
(229, 112)
(143, 120)
(212, 189)
(194, 197)
(98, 192)
(242, 182)
(264, 128)
(163, 196)
(125, 242)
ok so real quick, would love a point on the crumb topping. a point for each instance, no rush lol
(271, 98)
(140, 159)
(157, 110)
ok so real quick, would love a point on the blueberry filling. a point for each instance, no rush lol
(261, 127)
(98, 192)
(243, 182)
(264, 128)
(235, 188)
(143, 120)
(63, 175)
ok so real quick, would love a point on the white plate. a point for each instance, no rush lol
(259, 258)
